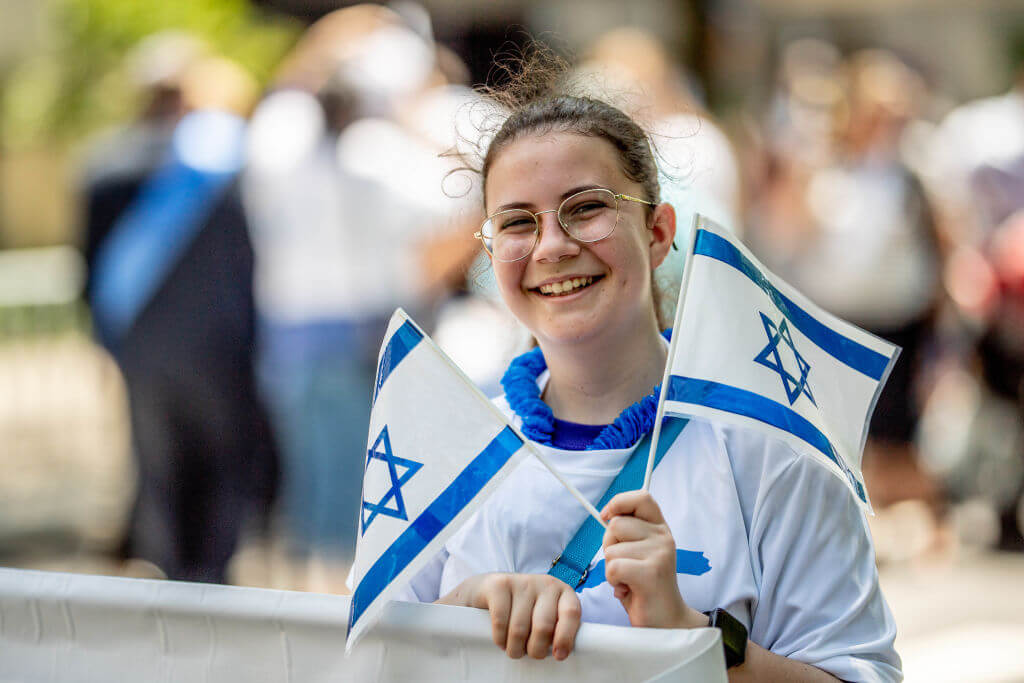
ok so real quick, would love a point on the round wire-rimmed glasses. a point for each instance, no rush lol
(587, 216)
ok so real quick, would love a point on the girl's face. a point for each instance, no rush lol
(537, 172)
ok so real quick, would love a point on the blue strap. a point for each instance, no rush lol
(169, 211)
(572, 565)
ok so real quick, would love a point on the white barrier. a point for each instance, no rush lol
(75, 628)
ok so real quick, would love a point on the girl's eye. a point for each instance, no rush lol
(586, 208)
(517, 223)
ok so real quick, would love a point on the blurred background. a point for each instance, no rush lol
(209, 209)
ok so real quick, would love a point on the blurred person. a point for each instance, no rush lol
(171, 298)
(341, 198)
(697, 164)
(1001, 349)
(472, 324)
(800, 137)
(117, 160)
(802, 116)
(696, 159)
(860, 238)
(978, 150)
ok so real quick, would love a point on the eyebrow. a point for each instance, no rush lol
(565, 195)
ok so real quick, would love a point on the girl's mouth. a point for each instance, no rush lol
(566, 287)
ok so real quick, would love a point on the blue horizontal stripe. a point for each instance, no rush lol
(401, 343)
(848, 352)
(748, 404)
(433, 520)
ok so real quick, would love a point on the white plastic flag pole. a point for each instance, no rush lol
(676, 334)
(569, 487)
(587, 505)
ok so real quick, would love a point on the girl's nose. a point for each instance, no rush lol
(553, 244)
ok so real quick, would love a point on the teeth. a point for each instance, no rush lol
(566, 286)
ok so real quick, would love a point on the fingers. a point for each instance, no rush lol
(643, 574)
(497, 599)
(542, 629)
(520, 621)
(636, 504)
(531, 614)
(569, 616)
(623, 528)
(628, 571)
(634, 550)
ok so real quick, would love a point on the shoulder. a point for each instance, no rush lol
(753, 457)
(764, 477)
(764, 464)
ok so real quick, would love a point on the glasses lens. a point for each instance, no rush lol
(510, 235)
(589, 216)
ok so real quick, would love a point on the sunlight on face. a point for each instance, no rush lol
(566, 291)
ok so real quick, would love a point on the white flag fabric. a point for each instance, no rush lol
(436, 449)
(751, 350)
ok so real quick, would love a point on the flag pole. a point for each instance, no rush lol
(569, 487)
(659, 416)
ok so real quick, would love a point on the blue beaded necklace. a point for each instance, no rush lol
(523, 396)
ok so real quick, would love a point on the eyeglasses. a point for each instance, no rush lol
(587, 216)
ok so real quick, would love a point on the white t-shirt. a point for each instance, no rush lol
(770, 536)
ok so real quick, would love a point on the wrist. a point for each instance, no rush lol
(691, 618)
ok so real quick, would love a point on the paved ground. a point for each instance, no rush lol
(960, 618)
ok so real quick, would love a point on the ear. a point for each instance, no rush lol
(663, 231)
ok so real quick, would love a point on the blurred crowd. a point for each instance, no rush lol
(245, 250)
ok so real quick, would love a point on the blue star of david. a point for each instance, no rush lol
(769, 357)
(395, 492)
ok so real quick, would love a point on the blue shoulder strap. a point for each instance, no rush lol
(156, 229)
(572, 565)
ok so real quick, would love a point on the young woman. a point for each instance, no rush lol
(733, 520)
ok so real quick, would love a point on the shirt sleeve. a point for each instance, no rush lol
(819, 600)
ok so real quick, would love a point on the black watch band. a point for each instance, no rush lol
(734, 636)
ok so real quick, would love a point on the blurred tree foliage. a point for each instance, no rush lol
(75, 81)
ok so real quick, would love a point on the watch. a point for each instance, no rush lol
(734, 636)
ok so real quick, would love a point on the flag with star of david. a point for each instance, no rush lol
(749, 349)
(436, 448)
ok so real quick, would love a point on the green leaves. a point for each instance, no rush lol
(74, 80)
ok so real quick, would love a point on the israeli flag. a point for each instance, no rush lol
(750, 350)
(435, 450)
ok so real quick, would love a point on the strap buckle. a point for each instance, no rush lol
(583, 577)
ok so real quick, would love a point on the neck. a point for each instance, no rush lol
(594, 383)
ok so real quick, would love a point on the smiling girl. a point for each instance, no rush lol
(737, 531)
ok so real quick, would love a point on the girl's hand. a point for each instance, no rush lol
(530, 613)
(640, 563)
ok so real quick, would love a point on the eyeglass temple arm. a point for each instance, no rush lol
(635, 199)
(644, 201)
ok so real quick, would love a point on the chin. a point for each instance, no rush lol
(569, 331)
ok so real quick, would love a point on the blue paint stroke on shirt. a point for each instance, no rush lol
(691, 562)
